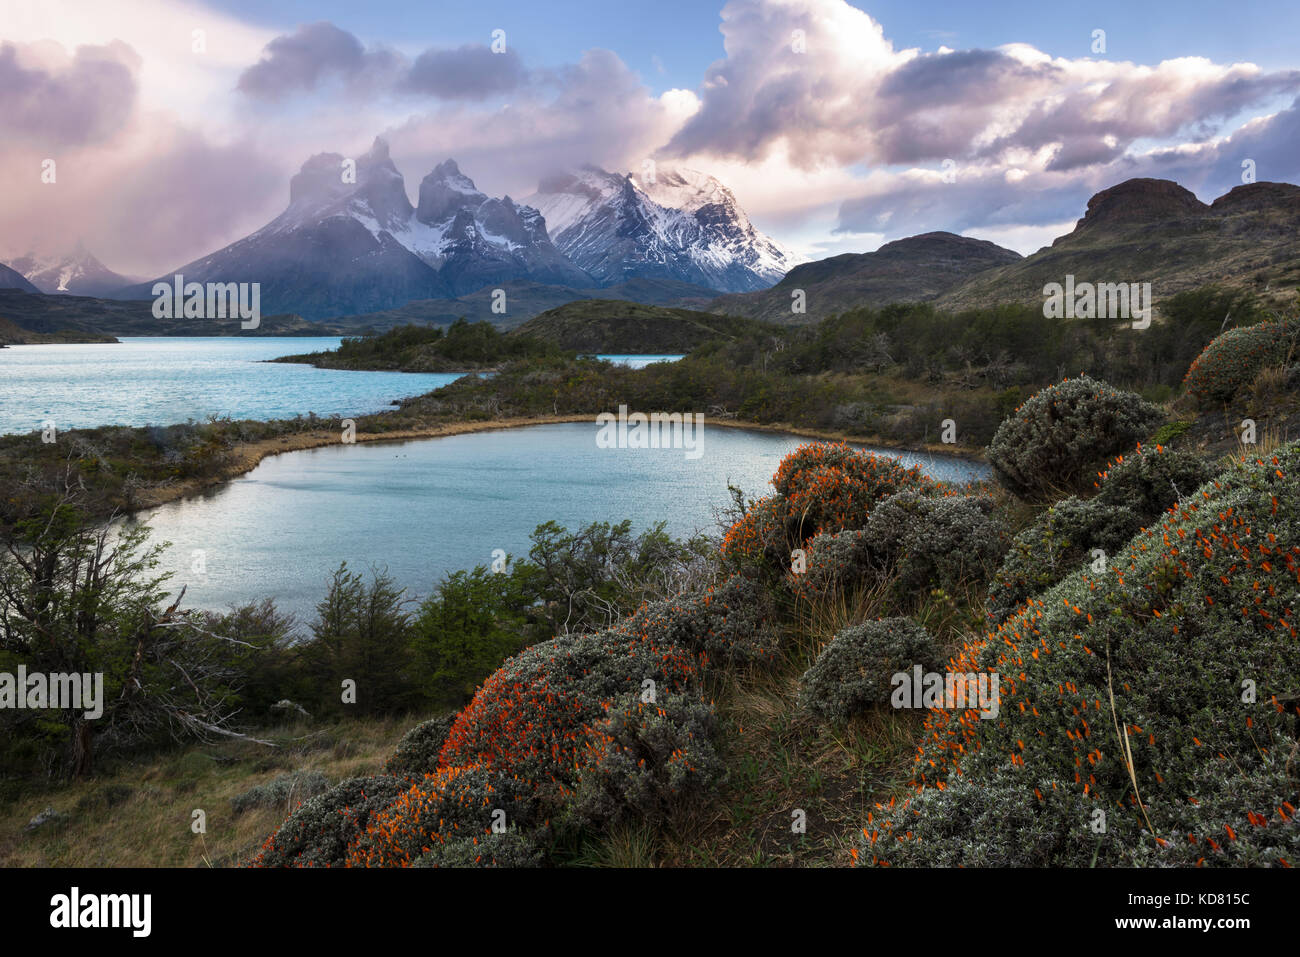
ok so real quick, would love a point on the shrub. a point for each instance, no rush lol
(416, 753)
(937, 541)
(456, 803)
(1192, 630)
(834, 562)
(1061, 434)
(512, 848)
(855, 669)
(1151, 479)
(830, 487)
(1232, 360)
(279, 791)
(645, 759)
(532, 718)
(1058, 543)
(318, 833)
(731, 623)
(759, 537)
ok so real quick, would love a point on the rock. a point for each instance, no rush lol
(48, 816)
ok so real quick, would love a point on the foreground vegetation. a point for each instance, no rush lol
(736, 702)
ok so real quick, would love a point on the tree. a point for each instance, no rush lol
(85, 600)
(361, 634)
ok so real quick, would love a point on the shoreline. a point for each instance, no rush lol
(247, 457)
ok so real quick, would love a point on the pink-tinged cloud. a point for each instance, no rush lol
(51, 99)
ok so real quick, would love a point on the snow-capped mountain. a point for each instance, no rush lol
(344, 247)
(76, 272)
(681, 224)
(473, 240)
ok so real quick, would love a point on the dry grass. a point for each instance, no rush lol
(139, 813)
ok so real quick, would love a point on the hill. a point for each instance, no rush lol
(602, 325)
(916, 269)
(12, 334)
(49, 314)
(1153, 230)
(523, 301)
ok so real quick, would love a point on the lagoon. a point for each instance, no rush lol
(423, 508)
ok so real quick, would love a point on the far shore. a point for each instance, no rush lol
(248, 455)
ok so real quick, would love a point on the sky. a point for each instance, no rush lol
(156, 131)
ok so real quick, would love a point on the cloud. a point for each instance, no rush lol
(594, 111)
(470, 72)
(313, 55)
(851, 97)
(51, 99)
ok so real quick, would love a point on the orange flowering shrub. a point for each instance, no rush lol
(759, 538)
(1059, 436)
(1155, 699)
(454, 803)
(1232, 360)
(318, 833)
(830, 487)
(820, 487)
(533, 717)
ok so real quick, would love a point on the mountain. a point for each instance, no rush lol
(76, 271)
(684, 225)
(344, 248)
(1153, 230)
(13, 279)
(916, 269)
(618, 326)
(473, 240)
(523, 301)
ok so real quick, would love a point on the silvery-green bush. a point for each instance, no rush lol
(416, 753)
(833, 562)
(854, 671)
(511, 848)
(937, 541)
(1058, 439)
(296, 786)
(1059, 543)
(651, 759)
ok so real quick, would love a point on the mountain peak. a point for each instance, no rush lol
(444, 191)
(1141, 201)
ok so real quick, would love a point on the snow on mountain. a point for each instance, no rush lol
(681, 224)
(349, 244)
(76, 272)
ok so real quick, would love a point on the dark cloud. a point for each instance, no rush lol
(471, 72)
(88, 99)
(317, 53)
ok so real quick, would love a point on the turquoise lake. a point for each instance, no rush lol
(425, 507)
(419, 508)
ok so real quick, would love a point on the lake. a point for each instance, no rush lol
(161, 380)
(426, 507)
